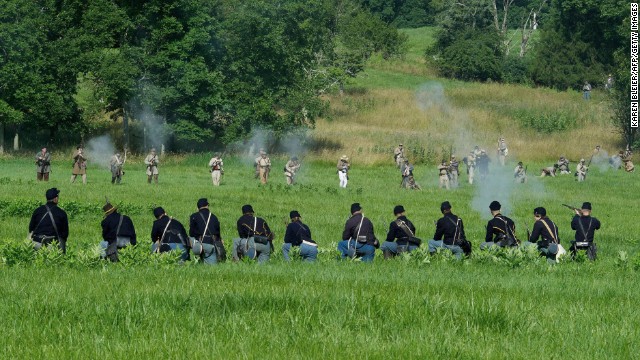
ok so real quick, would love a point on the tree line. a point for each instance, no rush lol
(206, 71)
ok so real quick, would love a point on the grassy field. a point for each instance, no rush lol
(494, 306)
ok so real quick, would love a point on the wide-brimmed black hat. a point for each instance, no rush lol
(108, 209)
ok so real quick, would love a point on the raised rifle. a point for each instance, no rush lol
(578, 211)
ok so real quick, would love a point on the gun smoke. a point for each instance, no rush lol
(99, 151)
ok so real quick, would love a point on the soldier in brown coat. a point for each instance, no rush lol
(79, 165)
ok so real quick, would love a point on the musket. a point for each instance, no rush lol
(573, 208)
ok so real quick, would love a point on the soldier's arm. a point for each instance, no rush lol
(64, 227)
(439, 230)
(346, 233)
(134, 239)
(489, 235)
(462, 235)
(535, 233)
(34, 221)
(105, 229)
(193, 226)
(574, 222)
(596, 224)
(391, 235)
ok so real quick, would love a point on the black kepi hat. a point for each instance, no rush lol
(294, 214)
(202, 203)
(355, 207)
(445, 206)
(157, 212)
(586, 206)
(52, 193)
(540, 211)
(399, 209)
(494, 206)
(247, 209)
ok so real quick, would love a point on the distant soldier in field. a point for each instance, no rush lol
(585, 226)
(117, 164)
(168, 234)
(470, 161)
(549, 171)
(79, 165)
(216, 169)
(299, 234)
(264, 166)
(586, 90)
(204, 234)
(449, 233)
(443, 172)
(343, 170)
(563, 166)
(152, 162)
(255, 163)
(503, 151)
(118, 232)
(401, 236)
(49, 223)
(626, 160)
(501, 230)
(254, 237)
(408, 181)
(453, 171)
(482, 162)
(398, 155)
(358, 237)
(544, 234)
(43, 165)
(581, 170)
(520, 173)
(477, 151)
(290, 169)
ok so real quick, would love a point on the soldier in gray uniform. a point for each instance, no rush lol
(43, 165)
(503, 151)
(453, 171)
(563, 166)
(117, 162)
(215, 166)
(290, 169)
(581, 170)
(398, 155)
(152, 162)
(443, 172)
(520, 173)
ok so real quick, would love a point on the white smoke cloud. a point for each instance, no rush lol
(99, 150)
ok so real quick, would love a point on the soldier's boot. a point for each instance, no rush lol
(387, 254)
(149, 179)
(113, 179)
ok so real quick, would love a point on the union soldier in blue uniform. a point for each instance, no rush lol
(49, 223)
(501, 230)
(254, 237)
(449, 233)
(585, 226)
(299, 234)
(401, 236)
(545, 235)
(168, 234)
(117, 232)
(358, 238)
(204, 230)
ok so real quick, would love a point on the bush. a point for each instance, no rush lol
(546, 122)
(473, 56)
(515, 70)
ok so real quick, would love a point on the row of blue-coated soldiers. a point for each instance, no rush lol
(49, 224)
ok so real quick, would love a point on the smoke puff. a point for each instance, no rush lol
(100, 150)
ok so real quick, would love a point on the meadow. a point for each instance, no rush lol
(500, 305)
